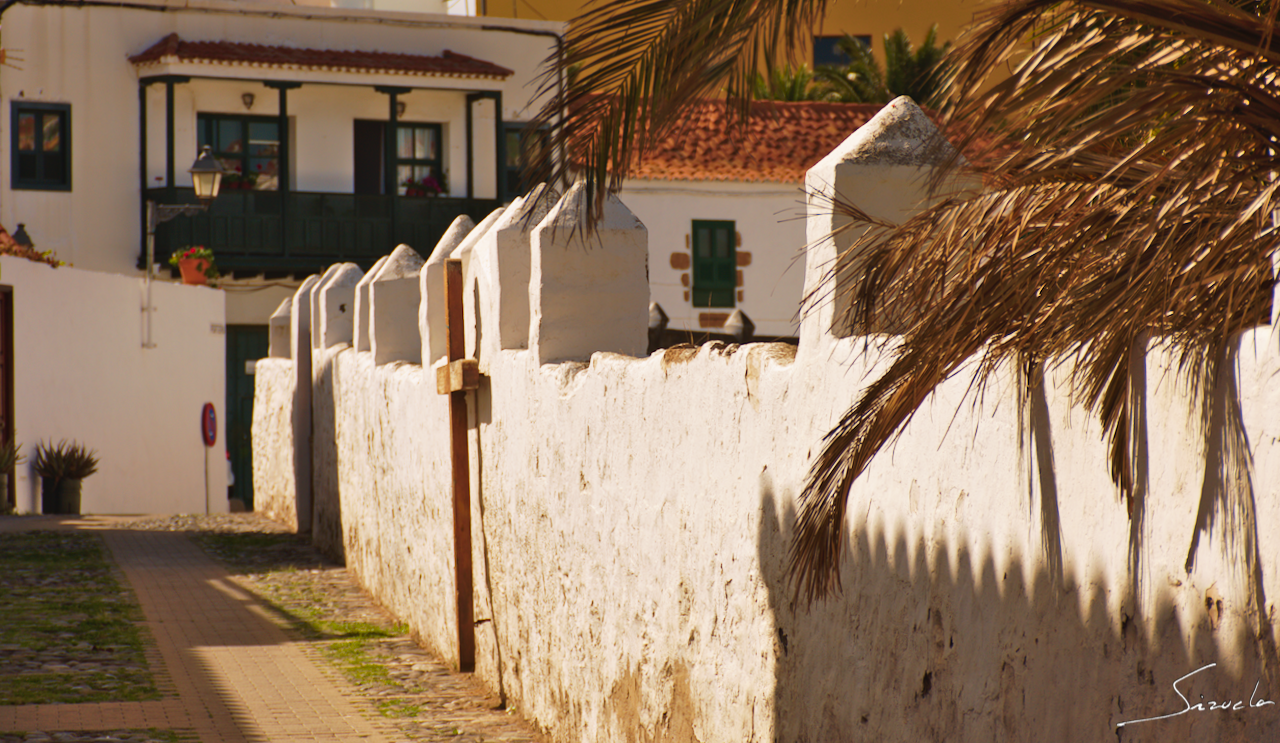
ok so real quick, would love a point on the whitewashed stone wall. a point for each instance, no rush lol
(631, 520)
(276, 494)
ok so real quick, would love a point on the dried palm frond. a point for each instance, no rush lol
(1129, 160)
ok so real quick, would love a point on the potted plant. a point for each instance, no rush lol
(434, 185)
(195, 263)
(10, 456)
(61, 468)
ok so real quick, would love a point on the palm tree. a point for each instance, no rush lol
(787, 83)
(917, 73)
(1130, 169)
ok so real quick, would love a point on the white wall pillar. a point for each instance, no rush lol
(361, 331)
(431, 310)
(464, 250)
(338, 305)
(278, 333)
(316, 315)
(504, 253)
(393, 308)
(588, 291)
(301, 350)
(464, 253)
(883, 168)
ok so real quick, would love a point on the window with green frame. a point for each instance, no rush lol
(41, 146)
(715, 263)
(522, 141)
(418, 171)
(247, 146)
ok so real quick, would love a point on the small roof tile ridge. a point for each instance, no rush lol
(448, 63)
(783, 139)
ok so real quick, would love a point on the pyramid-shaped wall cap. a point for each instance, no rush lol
(307, 283)
(461, 226)
(348, 274)
(526, 212)
(374, 270)
(480, 230)
(571, 211)
(901, 134)
(285, 310)
(403, 263)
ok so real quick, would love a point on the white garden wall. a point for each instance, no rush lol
(632, 516)
(81, 373)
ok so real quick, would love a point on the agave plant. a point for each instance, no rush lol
(10, 456)
(64, 461)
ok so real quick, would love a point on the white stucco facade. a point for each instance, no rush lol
(79, 56)
(769, 219)
(81, 373)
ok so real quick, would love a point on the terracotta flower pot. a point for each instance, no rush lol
(193, 270)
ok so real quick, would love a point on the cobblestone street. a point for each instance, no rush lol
(244, 648)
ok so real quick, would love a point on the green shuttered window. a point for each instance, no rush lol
(715, 265)
(41, 146)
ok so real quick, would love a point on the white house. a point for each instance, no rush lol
(330, 120)
(725, 212)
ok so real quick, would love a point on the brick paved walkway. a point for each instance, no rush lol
(237, 676)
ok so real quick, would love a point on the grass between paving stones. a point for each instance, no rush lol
(268, 561)
(69, 631)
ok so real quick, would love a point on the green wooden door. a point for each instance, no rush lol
(715, 272)
(245, 343)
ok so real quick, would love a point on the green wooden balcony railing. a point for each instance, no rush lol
(247, 232)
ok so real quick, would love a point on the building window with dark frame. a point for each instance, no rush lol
(247, 146)
(522, 140)
(827, 51)
(41, 146)
(418, 171)
(715, 263)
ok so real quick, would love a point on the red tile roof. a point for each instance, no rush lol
(227, 52)
(781, 142)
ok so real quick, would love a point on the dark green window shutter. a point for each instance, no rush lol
(40, 146)
(715, 263)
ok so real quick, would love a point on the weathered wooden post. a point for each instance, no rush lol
(454, 379)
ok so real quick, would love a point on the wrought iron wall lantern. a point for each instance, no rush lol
(206, 177)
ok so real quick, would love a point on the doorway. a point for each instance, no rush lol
(8, 497)
(245, 345)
